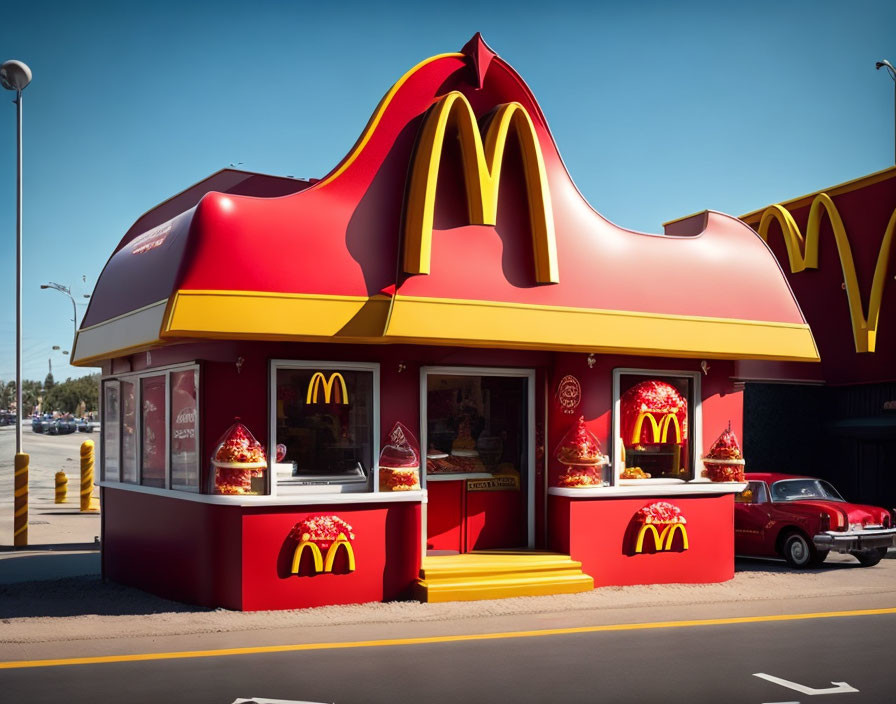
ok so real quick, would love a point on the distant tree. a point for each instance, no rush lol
(69, 395)
(49, 382)
(7, 394)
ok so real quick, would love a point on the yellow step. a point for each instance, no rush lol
(499, 575)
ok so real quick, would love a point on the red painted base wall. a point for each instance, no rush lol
(241, 557)
(601, 534)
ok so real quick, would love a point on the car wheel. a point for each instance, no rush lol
(820, 556)
(798, 551)
(869, 557)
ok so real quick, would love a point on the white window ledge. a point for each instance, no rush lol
(650, 489)
(291, 500)
(458, 476)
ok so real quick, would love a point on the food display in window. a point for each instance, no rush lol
(580, 454)
(464, 455)
(634, 473)
(724, 461)
(654, 429)
(399, 464)
(238, 459)
(439, 463)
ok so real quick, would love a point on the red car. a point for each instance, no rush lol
(802, 519)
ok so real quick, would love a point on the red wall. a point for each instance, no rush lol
(601, 534)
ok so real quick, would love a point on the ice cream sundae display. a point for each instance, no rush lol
(660, 513)
(399, 464)
(238, 458)
(724, 461)
(580, 454)
(321, 530)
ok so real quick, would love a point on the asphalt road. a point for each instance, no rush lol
(684, 663)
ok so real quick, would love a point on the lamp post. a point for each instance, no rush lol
(892, 71)
(15, 75)
(68, 292)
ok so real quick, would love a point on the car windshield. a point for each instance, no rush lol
(798, 489)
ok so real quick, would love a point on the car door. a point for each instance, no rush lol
(752, 514)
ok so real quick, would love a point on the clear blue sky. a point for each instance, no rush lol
(660, 109)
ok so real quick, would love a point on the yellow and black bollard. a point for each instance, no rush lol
(20, 502)
(88, 503)
(61, 487)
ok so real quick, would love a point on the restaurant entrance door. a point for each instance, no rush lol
(478, 436)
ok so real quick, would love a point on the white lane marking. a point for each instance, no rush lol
(258, 700)
(838, 688)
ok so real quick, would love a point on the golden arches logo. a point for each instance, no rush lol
(321, 563)
(660, 429)
(802, 253)
(662, 541)
(482, 175)
(334, 388)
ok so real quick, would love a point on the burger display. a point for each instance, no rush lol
(579, 453)
(238, 459)
(724, 461)
(399, 464)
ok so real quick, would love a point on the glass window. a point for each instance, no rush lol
(184, 431)
(797, 489)
(655, 425)
(325, 420)
(755, 493)
(153, 431)
(128, 432)
(111, 432)
(476, 424)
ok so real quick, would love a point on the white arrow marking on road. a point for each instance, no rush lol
(838, 688)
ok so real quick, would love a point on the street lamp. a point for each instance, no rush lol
(68, 292)
(892, 71)
(15, 75)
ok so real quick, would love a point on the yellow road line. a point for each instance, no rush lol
(139, 657)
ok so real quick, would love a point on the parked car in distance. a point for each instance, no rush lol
(38, 424)
(61, 426)
(7, 418)
(84, 425)
(802, 519)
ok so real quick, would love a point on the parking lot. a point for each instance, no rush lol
(48, 522)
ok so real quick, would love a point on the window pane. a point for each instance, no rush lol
(111, 432)
(325, 420)
(128, 432)
(656, 421)
(476, 424)
(154, 431)
(184, 431)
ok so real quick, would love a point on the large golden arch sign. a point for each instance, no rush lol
(334, 389)
(482, 176)
(802, 253)
(321, 563)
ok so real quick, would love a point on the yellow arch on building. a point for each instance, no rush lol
(340, 541)
(482, 175)
(802, 253)
(315, 553)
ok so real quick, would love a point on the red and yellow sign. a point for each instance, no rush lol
(322, 532)
(668, 517)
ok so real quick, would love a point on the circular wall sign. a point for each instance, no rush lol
(569, 393)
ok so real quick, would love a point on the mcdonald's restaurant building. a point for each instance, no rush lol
(453, 379)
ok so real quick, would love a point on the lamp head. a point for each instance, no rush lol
(15, 75)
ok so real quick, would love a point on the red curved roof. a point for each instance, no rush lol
(326, 262)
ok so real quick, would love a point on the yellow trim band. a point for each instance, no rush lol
(262, 649)
(281, 316)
